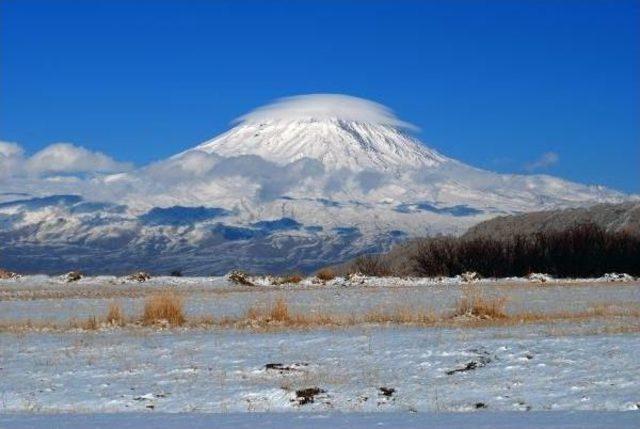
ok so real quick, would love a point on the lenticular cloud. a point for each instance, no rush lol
(325, 106)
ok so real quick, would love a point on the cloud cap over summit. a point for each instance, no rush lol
(325, 106)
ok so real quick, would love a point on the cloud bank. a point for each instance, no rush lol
(545, 160)
(58, 158)
(325, 106)
(68, 158)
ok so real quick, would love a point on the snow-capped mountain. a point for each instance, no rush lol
(298, 184)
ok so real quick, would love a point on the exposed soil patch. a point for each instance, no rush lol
(479, 362)
(387, 391)
(307, 396)
(283, 368)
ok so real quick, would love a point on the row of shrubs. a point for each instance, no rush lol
(584, 250)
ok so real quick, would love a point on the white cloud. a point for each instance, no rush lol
(10, 150)
(11, 158)
(323, 106)
(545, 160)
(67, 158)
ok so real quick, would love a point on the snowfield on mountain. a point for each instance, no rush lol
(305, 182)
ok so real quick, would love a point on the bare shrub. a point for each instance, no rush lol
(115, 316)
(5, 274)
(140, 276)
(163, 308)
(474, 303)
(371, 265)
(288, 279)
(326, 274)
(73, 276)
(240, 278)
(584, 250)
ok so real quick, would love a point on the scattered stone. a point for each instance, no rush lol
(616, 277)
(387, 391)
(470, 277)
(539, 277)
(146, 397)
(480, 405)
(307, 396)
(529, 356)
(73, 276)
(140, 276)
(282, 368)
(239, 278)
(470, 366)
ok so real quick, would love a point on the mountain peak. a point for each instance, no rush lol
(338, 130)
(319, 107)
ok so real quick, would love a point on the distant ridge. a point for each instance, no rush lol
(611, 217)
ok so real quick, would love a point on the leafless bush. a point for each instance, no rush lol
(240, 278)
(326, 274)
(372, 265)
(5, 274)
(584, 250)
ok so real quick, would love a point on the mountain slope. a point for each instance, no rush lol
(299, 184)
(611, 217)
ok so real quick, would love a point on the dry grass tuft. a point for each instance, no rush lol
(326, 274)
(473, 303)
(401, 316)
(115, 316)
(279, 312)
(163, 308)
(90, 324)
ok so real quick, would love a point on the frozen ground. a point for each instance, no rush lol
(585, 372)
(510, 420)
(42, 298)
(507, 369)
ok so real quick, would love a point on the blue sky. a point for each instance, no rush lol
(513, 86)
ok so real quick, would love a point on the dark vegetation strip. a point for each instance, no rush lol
(584, 250)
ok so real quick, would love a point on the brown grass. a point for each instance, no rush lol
(401, 315)
(90, 324)
(289, 279)
(325, 274)
(474, 310)
(280, 311)
(474, 303)
(115, 316)
(163, 308)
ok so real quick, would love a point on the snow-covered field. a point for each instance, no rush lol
(424, 370)
(506, 420)
(417, 375)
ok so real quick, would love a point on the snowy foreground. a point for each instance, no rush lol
(392, 369)
(581, 373)
(541, 420)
